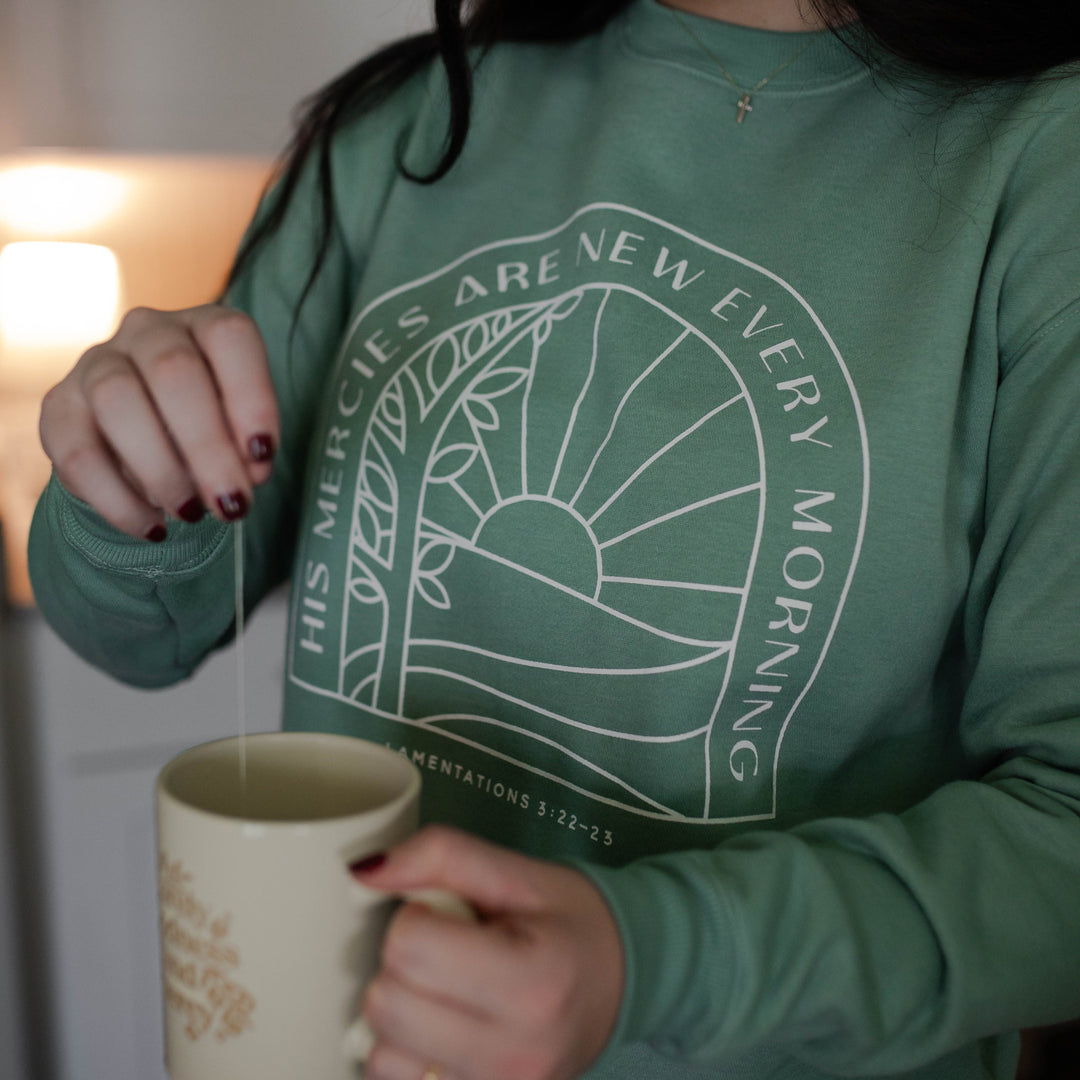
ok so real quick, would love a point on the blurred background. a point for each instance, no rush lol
(135, 137)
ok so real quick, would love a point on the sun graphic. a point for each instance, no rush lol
(583, 516)
(564, 549)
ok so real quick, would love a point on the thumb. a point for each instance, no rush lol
(492, 879)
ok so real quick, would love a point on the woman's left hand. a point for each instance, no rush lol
(530, 992)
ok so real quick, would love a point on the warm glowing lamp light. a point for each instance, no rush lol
(55, 294)
(172, 223)
(57, 200)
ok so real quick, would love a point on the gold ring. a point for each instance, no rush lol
(432, 1072)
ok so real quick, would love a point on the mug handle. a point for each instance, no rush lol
(359, 1038)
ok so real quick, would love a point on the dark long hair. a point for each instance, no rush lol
(958, 45)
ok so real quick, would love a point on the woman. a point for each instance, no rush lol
(677, 461)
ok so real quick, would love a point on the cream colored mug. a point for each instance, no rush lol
(267, 940)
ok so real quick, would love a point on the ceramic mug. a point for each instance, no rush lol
(267, 940)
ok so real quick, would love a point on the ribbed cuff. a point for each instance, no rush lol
(679, 948)
(186, 547)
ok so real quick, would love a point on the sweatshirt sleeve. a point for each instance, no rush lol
(871, 946)
(147, 613)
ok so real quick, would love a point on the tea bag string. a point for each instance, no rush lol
(238, 597)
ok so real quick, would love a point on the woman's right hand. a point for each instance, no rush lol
(174, 414)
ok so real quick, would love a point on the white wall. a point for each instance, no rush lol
(191, 75)
(37, 104)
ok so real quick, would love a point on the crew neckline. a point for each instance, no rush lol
(654, 32)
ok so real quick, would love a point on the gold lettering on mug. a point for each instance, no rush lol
(197, 960)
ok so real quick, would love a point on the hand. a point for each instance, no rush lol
(530, 992)
(175, 413)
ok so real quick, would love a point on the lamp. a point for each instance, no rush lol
(56, 294)
(83, 237)
(57, 200)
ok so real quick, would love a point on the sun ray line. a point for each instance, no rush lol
(696, 586)
(662, 451)
(581, 396)
(467, 499)
(678, 513)
(618, 412)
(434, 526)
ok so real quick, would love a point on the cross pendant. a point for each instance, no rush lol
(744, 108)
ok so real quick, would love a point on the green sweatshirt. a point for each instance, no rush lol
(699, 502)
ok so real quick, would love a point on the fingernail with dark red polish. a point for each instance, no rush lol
(366, 866)
(157, 534)
(261, 448)
(233, 506)
(192, 511)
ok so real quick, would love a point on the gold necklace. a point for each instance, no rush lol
(744, 105)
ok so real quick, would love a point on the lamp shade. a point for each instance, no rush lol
(56, 294)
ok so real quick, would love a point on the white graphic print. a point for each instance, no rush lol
(560, 508)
